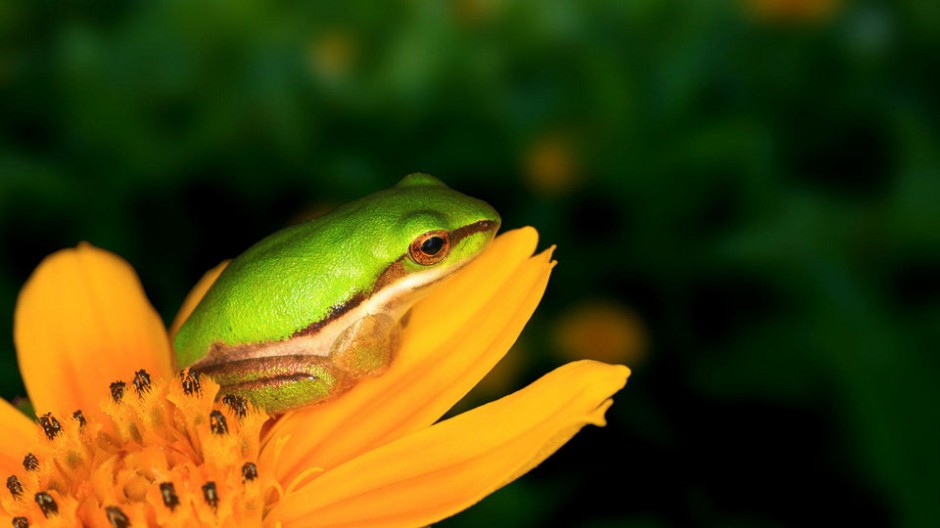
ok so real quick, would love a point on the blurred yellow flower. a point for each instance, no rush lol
(793, 10)
(123, 441)
(476, 12)
(333, 54)
(601, 330)
(551, 164)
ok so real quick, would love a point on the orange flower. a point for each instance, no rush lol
(601, 330)
(123, 441)
(552, 164)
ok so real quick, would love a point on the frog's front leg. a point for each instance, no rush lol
(367, 346)
(280, 383)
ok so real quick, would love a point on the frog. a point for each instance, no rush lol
(304, 315)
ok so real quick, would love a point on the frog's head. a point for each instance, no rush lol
(439, 230)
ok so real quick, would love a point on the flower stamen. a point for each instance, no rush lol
(78, 416)
(116, 517)
(211, 495)
(47, 504)
(168, 492)
(50, 425)
(217, 423)
(141, 382)
(238, 405)
(30, 462)
(249, 471)
(190, 382)
(117, 391)
(15, 486)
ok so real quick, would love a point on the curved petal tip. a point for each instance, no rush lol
(82, 321)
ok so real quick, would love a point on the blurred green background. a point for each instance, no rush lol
(744, 195)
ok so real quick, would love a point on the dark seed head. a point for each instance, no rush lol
(46, 504)
(116, 517)
(170, 500)
(249, 471)
(15, 486)
(237, 404)
(50, 426)
(117, 391)
(217, 423)
(189, 379)
(30, 462)
(80, 418)
(141, 382)
(20, 522)
(210, 494)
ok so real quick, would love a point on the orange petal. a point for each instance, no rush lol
(82, 321)
(435, 473)
(452, 340)
(196, 295)
(19, 433)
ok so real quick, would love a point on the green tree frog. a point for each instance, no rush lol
(305, 313)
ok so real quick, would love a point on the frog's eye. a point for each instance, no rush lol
(430, 248)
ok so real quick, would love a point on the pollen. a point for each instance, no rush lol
(156, 453)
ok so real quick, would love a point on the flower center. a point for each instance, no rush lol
(158, 453)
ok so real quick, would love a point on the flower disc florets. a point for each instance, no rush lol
(157, 453)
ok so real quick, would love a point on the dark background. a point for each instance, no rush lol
(744, 196)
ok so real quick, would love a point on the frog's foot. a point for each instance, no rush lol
(367, 346)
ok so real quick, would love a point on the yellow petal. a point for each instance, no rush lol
(82, 321)
(435, 473)
(452, 340)
(19, 433)
(196, 295)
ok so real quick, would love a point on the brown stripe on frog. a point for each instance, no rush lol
(471, 229)
(221, 353)
(335, 312)
(390, 275)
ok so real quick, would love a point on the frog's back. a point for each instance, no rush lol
(296, 276)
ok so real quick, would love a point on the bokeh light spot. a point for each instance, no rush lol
(333, 54)
(601, 330)
(552, 164)
(793, 10)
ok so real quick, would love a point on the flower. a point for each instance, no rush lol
(123, 441)
(603, 330)
(794, 10)
(552, 164)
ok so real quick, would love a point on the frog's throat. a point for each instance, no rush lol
(394, 293)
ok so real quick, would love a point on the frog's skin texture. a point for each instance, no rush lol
(300, 316)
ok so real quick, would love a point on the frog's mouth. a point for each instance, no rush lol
(394, 293)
